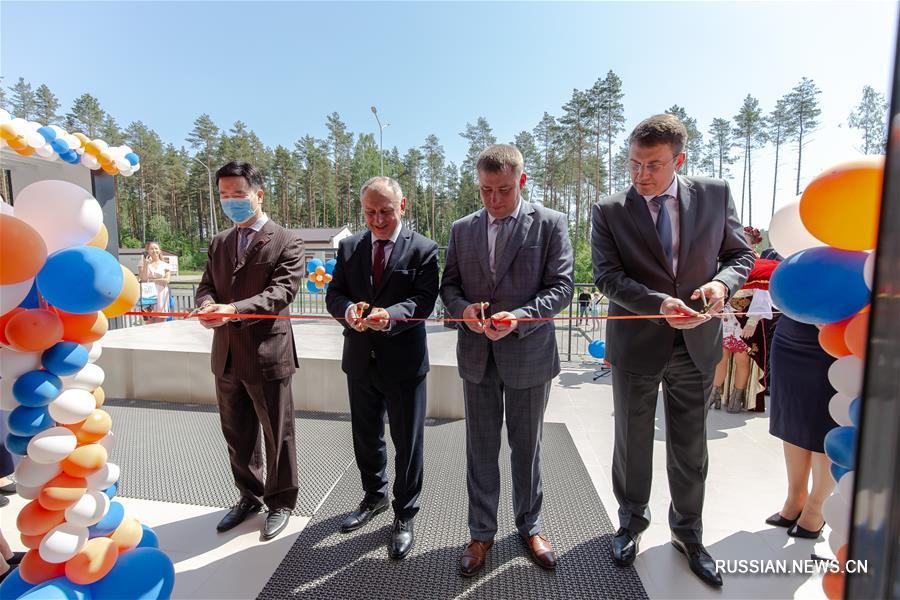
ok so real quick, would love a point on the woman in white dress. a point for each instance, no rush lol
(154, 269)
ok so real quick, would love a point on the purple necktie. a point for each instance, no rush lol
(378, 262)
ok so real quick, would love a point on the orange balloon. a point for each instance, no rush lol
(32, 542)
(34, 569)
(128, 534)
(62, 491)
(24, 150)
(83, 329)
(84, 460)
(131, 291)
(841, 556)
(833, 585)
(34, 519)
(110, 169)
(101, 239)
(841, 205)
(92, 429)
(857, 334)
(4, 320)
(22, 250)
(95, 559)
(99, 396)
(34, 330)
(831, 338)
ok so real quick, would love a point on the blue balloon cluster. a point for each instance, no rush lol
(109, 522)
(311, 267)
(81, 279)
(65, 358)
(29, 420)
(597, 348)
(840, 446)
(37, 388)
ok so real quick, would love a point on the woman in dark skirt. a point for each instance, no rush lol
(800, 394)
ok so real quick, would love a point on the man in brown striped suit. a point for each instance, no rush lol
(254, 267)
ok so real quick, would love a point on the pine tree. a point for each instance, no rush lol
(803, 112)
(780, 128)
(433, 153)
(693, 147)
(479, 136)
(750, 131)
(22, 101)
(45, 106)
(609, 115)
(870, 115)
(721, 142)
(86, 116)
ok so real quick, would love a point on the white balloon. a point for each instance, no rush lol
(846, 376)
(34, 139)
(787, 234)
(14, 363)
(88, 378)
(89, 510)
(12, 294)
(62, 212)
(101, 146)
(122, 164)
(108, 441)
(74, 142)
(72, 406)
(45, 151)
(105, 477)
(29, 493)
(845, 486)
(63, 542)
(94, 351)
(52, 445)
(839, 409)
(837, 514)
(59, 131)
(4, 116)
(32, 474)
(90, 161)
(869, 269)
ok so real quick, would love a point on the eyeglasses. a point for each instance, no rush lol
(652, 168)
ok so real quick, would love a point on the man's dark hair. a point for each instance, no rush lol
(241, 169)
(660, 129)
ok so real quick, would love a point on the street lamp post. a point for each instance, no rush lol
(213, 225)
(380, 137)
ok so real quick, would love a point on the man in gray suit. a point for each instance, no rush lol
(507, 262)
(669, 245)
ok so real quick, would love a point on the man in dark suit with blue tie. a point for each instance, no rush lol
(383, 276)
(669, 245)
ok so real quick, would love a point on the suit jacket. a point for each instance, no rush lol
(408, 289)
(265, 281)
(631, 270)
(533, 279)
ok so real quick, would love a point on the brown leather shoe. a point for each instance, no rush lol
(472, 559)
(541, 551)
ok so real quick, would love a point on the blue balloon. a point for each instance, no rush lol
(139, 574)
(71, 157)
(57, 589)
(109, 522)
(49, 134)
(28, 421)
(60, 145)
(311, 287)
(855, 408)
(111, 490)
(17, 444)
(31, 300)
(37, 388)
(312, 265)
(14, 586)
(65, 358)
(81, 279)
(820, 285)
(132, 158)
(597, 349)
(837, 471)
(149, 539)
(329, 266)
(840, 446)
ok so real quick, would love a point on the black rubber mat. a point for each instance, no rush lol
(176, 453)
(324, 563)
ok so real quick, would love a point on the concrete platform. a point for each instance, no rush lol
(171, 362)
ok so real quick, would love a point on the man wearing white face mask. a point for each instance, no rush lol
(254, 267)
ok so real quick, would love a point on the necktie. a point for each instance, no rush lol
(378, 262)
(664, 226)
(499, 226)
(244, 235)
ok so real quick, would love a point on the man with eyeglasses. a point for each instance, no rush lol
(669, 247)
(254, 267)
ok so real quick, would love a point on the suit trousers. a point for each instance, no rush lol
(524, 408)
(685, 393)
(243, 408)
(405, 404)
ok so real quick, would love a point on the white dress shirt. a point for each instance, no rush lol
(672, 207)
(388, 249)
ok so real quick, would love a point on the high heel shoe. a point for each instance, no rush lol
(736, 401)
(779, 521)
(715, 398)
(799, 532)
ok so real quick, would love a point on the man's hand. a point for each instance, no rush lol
(715, 293)
(210, 320)
(354, 316)
(378, 319)
(749, 329)
(474, 315)
(681, 316)
(500, 325)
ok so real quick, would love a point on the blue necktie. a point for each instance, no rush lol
(243, 241)
(664, 226)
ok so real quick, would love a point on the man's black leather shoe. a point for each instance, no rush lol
(401, 539)
(700, 562)
(238, 513)
(365, 513)
(276, 521)
(625, 547)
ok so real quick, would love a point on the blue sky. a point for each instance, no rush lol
(430, 67)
